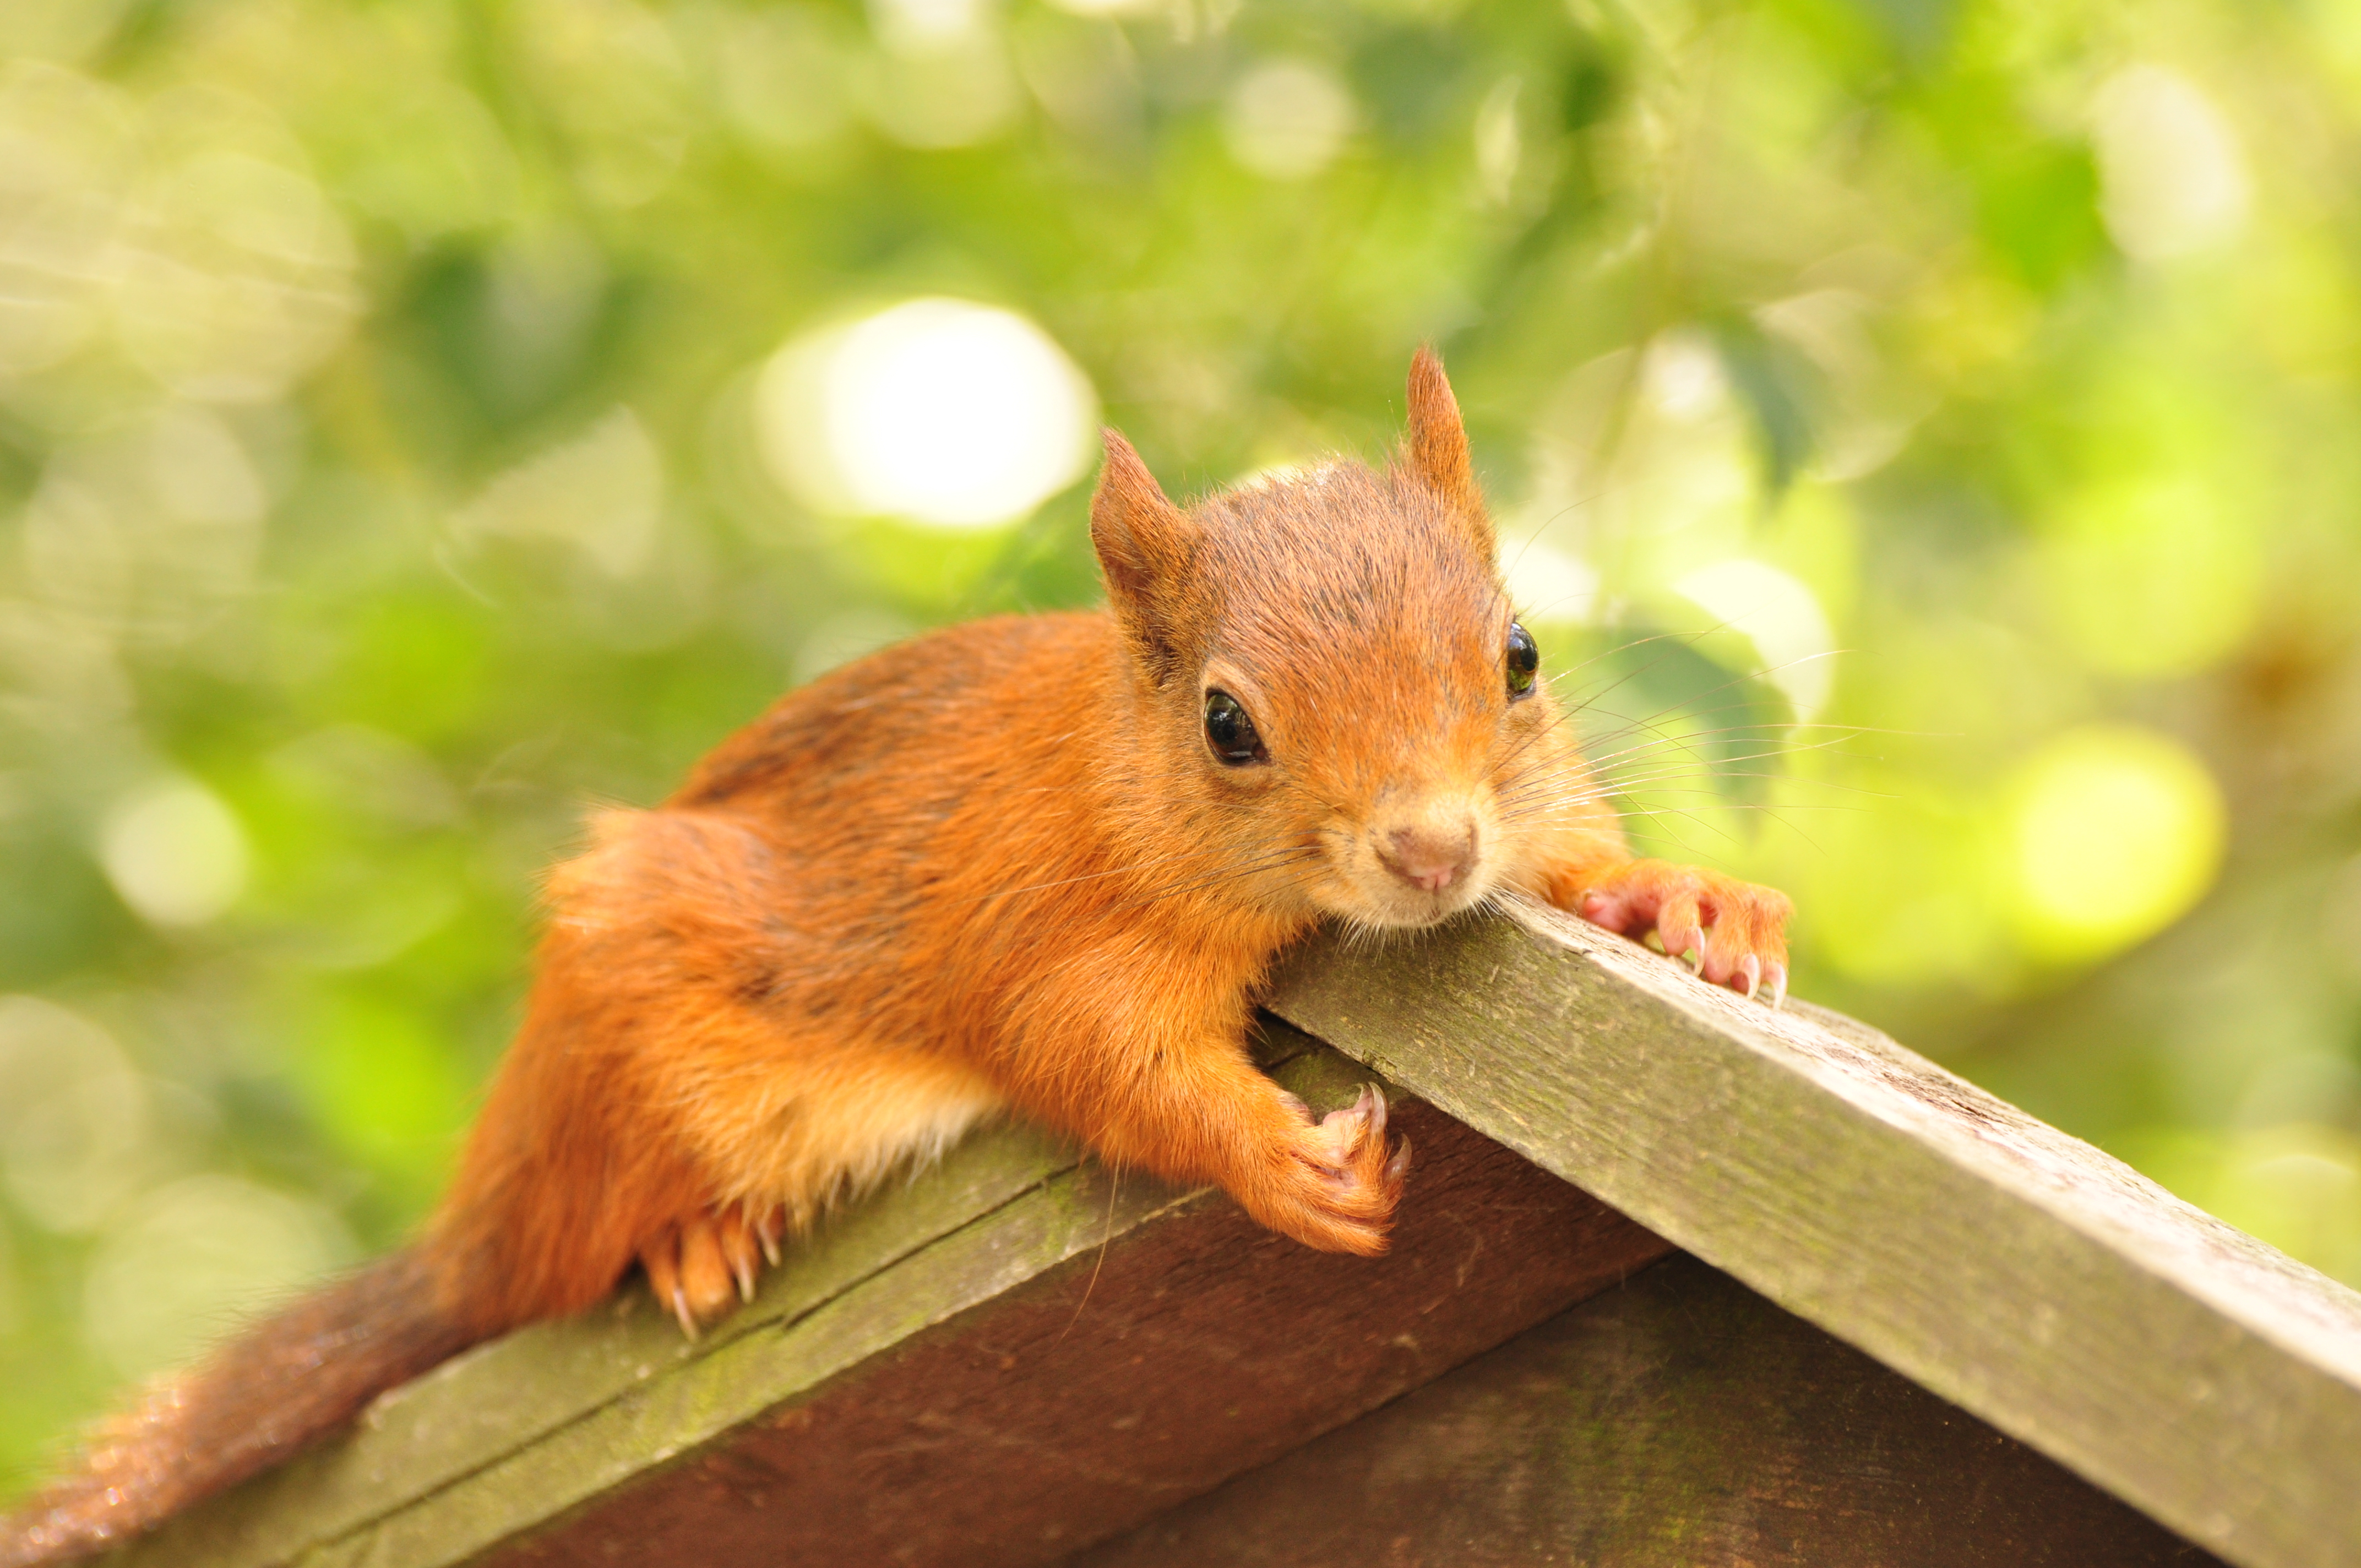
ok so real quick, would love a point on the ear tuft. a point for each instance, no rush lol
(1141, 538)
(1436, 448)
(1145, 546)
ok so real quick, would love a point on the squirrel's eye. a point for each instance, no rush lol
(1230, 732)
(1523, 658)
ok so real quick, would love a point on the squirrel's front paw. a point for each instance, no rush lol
(693, 1267)
(1734, 933)
(1332, 1183)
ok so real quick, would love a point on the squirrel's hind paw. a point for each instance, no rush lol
(707, 1264)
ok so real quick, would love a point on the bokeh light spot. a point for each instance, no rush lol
(944, 412)
(1550, 586)
(942, 77)
(917, 22)
(2173, 179)
(74, 1116)
(175, 853)
(1684, 377)
(195, 1257)
(2118, 831)
(1288, 119)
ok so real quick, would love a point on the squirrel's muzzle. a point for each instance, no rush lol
(1428, 856)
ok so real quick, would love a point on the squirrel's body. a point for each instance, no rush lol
(836, 946)
(1034, 864)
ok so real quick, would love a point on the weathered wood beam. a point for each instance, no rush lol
(1681, 1420)
(1012, 1357)
(2176, 1362)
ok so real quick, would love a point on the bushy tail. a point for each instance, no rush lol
(275, 1386)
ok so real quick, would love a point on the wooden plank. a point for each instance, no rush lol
(522, 1390)
(2180, 1364)
(1012, 1357)
(1681, 1420)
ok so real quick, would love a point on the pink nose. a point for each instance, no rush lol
(1430, 861)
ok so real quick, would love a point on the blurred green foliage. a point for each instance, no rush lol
(1924, 430)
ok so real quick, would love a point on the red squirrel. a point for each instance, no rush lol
(1034, 864)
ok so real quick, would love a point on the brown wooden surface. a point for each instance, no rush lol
(1680, 1420)
(1099, 1393)
(2179, 1364)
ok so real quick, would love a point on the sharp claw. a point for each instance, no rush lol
(680, 1310)
(1399, 1167)
(1750, 968)
(1358, 1110)
(744, 1270)
(1692, 954)
(767, 1234)
(1374, 1103)
(1778, 987)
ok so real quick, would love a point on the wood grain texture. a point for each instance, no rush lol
(2176, 1362)
(1681, 1420)
(1013, 1356)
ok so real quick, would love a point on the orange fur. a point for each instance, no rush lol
(1001, 866)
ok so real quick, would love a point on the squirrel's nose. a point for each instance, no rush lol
(1430, 859)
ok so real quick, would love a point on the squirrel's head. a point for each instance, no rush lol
(1347, 703)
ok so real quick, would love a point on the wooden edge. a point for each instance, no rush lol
(2039, 1283)
(1013, 1357)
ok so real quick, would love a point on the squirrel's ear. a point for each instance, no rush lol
(1146, 545)
(1437, 446)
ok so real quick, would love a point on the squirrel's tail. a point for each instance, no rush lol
(272, 1387)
